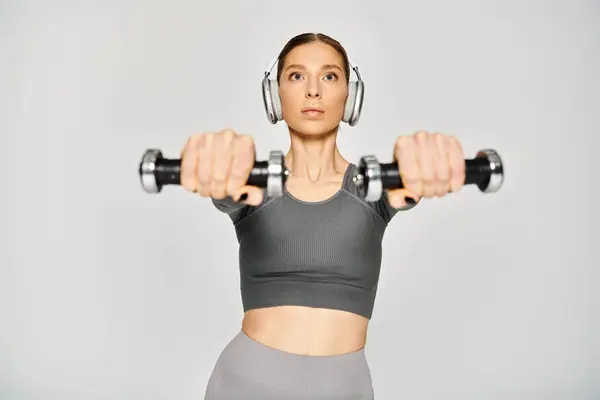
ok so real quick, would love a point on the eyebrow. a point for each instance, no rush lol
(325, 66)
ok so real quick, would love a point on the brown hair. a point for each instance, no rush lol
(304, 38)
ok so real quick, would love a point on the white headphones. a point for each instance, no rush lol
(352, 110)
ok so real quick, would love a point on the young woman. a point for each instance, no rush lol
(310, 259)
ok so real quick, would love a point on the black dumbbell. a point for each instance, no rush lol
(485, 171)
(156, 171)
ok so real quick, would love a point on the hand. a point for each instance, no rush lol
(218, 164)
(430, 165)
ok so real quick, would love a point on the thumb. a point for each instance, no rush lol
(251, 195)
(402, 198)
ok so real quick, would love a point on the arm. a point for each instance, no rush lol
(204, 170)
(239, 210)
(386, 210)
(227, 205)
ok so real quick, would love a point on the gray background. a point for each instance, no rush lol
(110, 293)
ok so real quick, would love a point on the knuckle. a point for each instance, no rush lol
(402, 143)
(429, 181)
(219, 137)
(237, 177)
(400, 140)
(443, 176)
(457, 172)
(202, 137)
(416, 188)
(188, 142)
(409, 171)
(227, 134)
(246, 140)
(205, 141)
(421, 135)
(232, 187)
(244, 144)
(218, 189)
(195, 137)
(409, 179)
(203, 180)
(191, 143)
(428, 176)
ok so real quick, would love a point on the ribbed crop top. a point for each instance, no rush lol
(324, 254)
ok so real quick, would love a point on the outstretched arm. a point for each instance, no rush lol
(217, 165)
(430, 165)
(384, 206)
(235, 210)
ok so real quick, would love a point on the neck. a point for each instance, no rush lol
(313, 157)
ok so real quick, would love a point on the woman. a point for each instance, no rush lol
(309, 260)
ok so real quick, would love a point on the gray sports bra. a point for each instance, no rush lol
(323, 254)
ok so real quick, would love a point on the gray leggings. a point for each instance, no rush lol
(248, 369)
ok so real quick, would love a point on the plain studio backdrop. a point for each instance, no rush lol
(107, 292)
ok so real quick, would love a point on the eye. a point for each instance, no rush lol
(295, 76)
(331, 76)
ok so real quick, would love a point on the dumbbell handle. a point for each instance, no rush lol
(477, 172)
(168, 172)
(485, 170)
(156, 171)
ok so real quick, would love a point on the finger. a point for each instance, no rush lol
(425, 154)
(188, 164)
(251, 195)
(408, 164)
(221, 155)
(243, 156)
(401, 198)
(204, 168)
(456, 160)
(442, 167)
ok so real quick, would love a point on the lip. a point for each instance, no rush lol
(312, 110)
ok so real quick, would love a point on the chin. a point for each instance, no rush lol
(314, 128)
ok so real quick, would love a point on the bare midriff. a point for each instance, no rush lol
(306, 330)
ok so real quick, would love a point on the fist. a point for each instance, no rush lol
(430, 165)
(218, 164)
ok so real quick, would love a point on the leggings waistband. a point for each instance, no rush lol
(248, 369)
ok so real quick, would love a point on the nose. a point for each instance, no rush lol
(313, 94)
(313, 91)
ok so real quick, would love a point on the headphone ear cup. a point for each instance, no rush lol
(350, 100)
(275, 100)
(270, 91)
(353, 104)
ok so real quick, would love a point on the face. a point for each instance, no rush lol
(313, 88)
